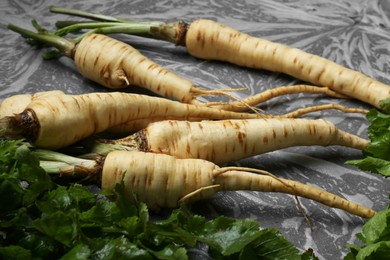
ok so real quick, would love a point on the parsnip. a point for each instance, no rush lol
(207, 39)
(210, 40)
(163, 181)
(115, 64)
(230, 140)
(56, 121)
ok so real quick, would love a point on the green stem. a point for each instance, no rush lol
(52, 167)
(62, 24)
(48, 155)
(74, 27)
(143, 29)
(65, 46)
(89, 15)
(171, 32)
(57, 163)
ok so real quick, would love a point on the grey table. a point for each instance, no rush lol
(354, 33)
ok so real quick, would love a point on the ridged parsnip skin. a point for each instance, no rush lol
(163, 181)
(158, 180)
(210, 40)
(15, 104)
(230, 140)
(139, 124)
(110, 63)
(66, 119)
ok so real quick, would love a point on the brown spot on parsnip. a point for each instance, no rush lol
(96, 60)
(285, 132)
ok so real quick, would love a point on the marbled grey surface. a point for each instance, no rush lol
(354, 33)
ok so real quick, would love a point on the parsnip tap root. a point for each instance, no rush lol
(230, 140)
(115, 64)
(210, 40)
(163, 181)
(268, 94)
(306, 110)
(56, 121)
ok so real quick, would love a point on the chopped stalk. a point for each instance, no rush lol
(93, 16)
(171, 32)
(65, 46)
(68, 166)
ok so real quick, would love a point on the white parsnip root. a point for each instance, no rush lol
(115, 64)
(230, 140)
(210, 40)
(56, 121)
(163, 181)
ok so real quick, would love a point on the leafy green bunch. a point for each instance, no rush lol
(41, 219)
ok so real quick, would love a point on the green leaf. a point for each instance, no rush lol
(82, 197)
(132, 225)
(103, 213)
(377, 154)
(55, 200)
(40, 245)
(118, 248)
(29, 170)
(125, 203)
(272, 245)
(376, 251)
(376, 238)
(385, 105)
(16, 218)
(11, 193)
(374, 165)
(15, 252)
(79, 252)
(377, 228)
(171, 252)
(228, 235)
(61, 226)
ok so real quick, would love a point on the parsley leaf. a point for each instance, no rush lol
(376, 238)
(377, 155)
